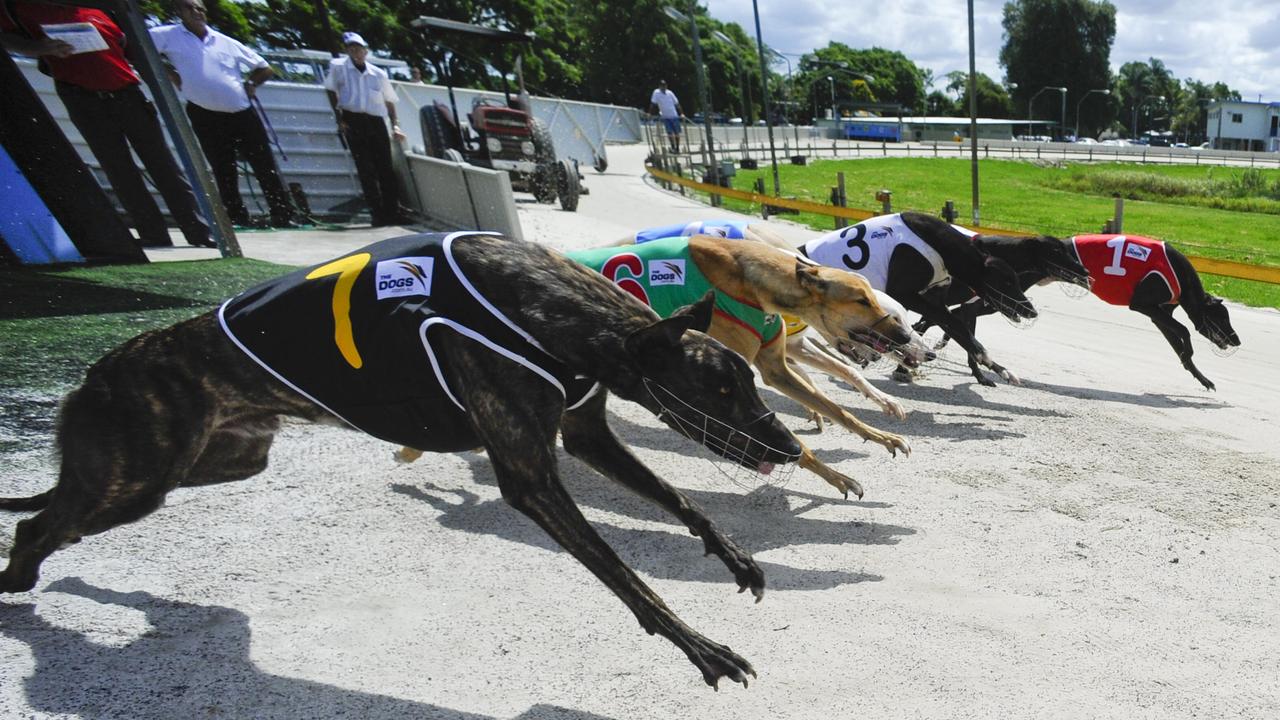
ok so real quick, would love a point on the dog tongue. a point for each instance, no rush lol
(764, 468)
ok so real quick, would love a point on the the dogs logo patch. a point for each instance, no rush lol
(666, 272)
(404, 276)
(1137, 252)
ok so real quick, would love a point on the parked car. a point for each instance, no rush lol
(1086, 141)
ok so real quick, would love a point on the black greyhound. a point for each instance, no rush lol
(1046, 258)
(919, 282)
(199, 402)
(1154, 295)
(1036, 259)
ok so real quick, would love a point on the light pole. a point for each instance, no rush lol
(791, 85)
(1086, 97)
(1032, 101)
(678, 16)
(1137, 106)
(764, 97)
(742, 84)
(831, 81)
(973, 120)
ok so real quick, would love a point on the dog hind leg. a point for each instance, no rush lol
(587, 436)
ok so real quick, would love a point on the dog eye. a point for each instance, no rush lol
(865, 302)
(725, 390)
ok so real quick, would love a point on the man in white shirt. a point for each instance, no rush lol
(209, 68)
(362, 99)
(667, 106)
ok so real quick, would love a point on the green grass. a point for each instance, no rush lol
(1062, 200)
(55, 323)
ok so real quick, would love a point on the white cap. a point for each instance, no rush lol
(353, 38)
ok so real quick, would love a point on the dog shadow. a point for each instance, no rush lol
(964, 394)
(762, 520)
(194, 662)
(1162, 401)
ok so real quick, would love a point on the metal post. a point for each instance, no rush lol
(1062, 123)
(184, 139)
(704, 98)
(764, 98)
(973, 117)
(841, 199)
(1118, 225)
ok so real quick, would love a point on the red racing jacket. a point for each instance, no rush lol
(1117, 263)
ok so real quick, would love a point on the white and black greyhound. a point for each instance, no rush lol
(916, 258)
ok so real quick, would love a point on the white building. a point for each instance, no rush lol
(1237, 125)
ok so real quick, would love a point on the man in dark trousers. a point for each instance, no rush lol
(209, 68)
(104, 99)
(362, 99)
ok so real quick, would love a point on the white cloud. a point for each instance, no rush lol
(1232, 41)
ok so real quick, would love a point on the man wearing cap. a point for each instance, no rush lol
(104, 99)
(362, 99)
(209, 69)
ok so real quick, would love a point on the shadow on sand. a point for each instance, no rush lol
(193, 663)
(760, 520)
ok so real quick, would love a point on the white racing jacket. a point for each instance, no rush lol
(867, 247)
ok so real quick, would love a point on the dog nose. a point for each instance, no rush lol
(930, 356)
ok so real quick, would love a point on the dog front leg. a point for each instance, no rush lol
(1177, 335)
(838, 480)
(816, 357)
(588, 437)
(528, 481)
(773, 367)
(939, 315)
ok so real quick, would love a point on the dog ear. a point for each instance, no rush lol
(807, 276)
(700, 311)
(665, 334)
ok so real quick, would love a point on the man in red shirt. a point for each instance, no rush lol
(104, 99)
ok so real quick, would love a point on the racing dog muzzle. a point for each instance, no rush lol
(752, 453)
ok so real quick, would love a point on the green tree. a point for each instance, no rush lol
(938, 104)
(993, 98)
(888, 74)
(1063, 43)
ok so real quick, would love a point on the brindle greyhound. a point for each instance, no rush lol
(918, 282)
(186, 405)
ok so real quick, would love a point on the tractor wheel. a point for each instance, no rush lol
(568, 185)
(543, 183)
(544, 149)
(602, 163)
(437, 134)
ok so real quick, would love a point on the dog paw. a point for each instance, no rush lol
(717, 661)
(893, 443)
(1009, 377)
(406, 455)
(892, 407)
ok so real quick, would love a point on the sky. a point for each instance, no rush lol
(1233, 41)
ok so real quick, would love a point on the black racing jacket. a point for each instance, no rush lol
(359, 336)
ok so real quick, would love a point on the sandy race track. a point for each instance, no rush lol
(1103, 541)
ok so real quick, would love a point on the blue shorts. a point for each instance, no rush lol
(672, 125)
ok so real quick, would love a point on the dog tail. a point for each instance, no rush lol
(35, 502)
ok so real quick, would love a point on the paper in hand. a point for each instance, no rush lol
(83, 37)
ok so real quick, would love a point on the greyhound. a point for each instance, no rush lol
(913, 257)
(437, 341)
(1152, 278)
(802, 346)
(1038, 260)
